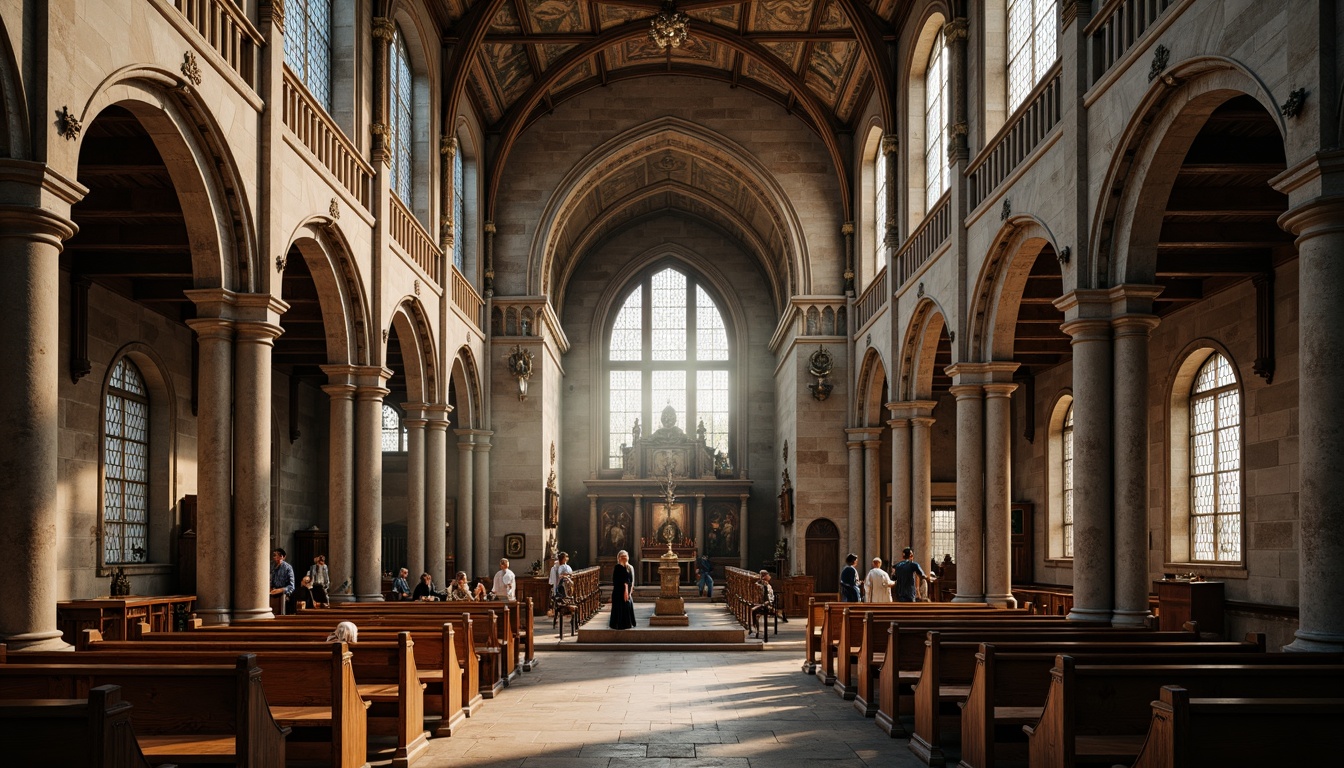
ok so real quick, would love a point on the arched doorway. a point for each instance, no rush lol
(823, 554)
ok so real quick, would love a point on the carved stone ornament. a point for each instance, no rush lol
(448, 145)
(786, 451)
(820, 363)
(919, 291)
(378, 129)
(520, 367)
(951, 335)
(552, 453)
(384, 28)
(281, 262)
(275, 10)
(67, 124)
(955, 29)
(1007, 210)
(191, 69)
(417, 287)
(1064, 254)
(384, 335)
(334, 210)
(1160, 58)
(1293, 106)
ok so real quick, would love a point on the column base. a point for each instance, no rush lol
(960, 598)
(340, 598)
(1130, 618)
(213, 617)
(252, 614)
(1089, 614)
(1315, 642)
(376, 597)
(37, 641)
(1001, 601)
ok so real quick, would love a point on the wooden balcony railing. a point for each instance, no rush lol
(872, 301)
(466, 298)
(1116, 28)
(328, 143)
(931, 233)
(228, 31)
(413, 238)
(1024, 130)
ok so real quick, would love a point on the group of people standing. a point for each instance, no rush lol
(502, 587)
(312, 590)
(876, 586)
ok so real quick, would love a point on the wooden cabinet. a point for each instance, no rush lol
(796, 590)
(1179, 601)
(1020, 536)
(116, 617)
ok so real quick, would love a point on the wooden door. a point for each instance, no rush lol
(823, 554)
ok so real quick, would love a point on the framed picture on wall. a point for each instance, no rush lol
(515, 545)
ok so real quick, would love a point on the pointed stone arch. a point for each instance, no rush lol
(14, 141)
(998, 290)
(466, 382)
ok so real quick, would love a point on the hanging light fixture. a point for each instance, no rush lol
(669, 26)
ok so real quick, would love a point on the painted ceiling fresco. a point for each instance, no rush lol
(537, 53)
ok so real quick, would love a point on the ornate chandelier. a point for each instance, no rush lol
(669, 26)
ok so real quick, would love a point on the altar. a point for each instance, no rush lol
(628, 510)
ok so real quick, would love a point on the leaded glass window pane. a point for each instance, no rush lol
(944, 535)
(711, 405)
(308, 46)
(402, 128)
(627, 335)
(1031, 46)
(459, 212)
(1067, 440)
(711, 338)
(669, 388)
(935, 125)
(1215, 463)
(880, 208)
(669, 315)
(625, 404)
(126, 466)
(394, 434)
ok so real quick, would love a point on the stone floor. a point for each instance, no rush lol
(670, 709)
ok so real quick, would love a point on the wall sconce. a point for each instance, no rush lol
(520, 367)
(820, 365)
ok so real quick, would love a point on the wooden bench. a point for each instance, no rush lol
(77, 733)
(843, 631)
(1187, 732)
(520, 621)
(385, 670)
(181, 714)
(1012, 680)
(1099, 714)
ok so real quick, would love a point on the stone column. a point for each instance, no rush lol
(1087, 314)
(901, 497)
(214, 461)
(436, 493)
(1319, 226)
(742, 540)
(252, 542)
(341, 482)
(369, 483)
(854, 524)
(481, 504)
(998, 494)
(699, 523)
(970, 492)
(921, 488)
(30, 246)
(592, 528)
(466, 499)
(1133, 322)
(872, 495)
(415, 423)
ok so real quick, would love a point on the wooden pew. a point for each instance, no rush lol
(513, 631)
(1011, 683)
(1192, 733)
(899, 668)
(77, 733)
(181, 714)
(1099, 714)
(842, 632)
(385, 670)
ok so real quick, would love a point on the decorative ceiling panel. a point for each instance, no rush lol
(724, 16)
(510, 70)
(483, 93)
(833, 19)
(828, 69)
(548, 54)
(781, 15)
(555, 16)
(506, 21)
(580, 72)
(858, 85)
(613, 16)
(762, 74)
(789, 53)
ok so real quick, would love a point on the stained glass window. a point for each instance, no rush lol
(1067, 441)
(944, 533)
(1031, 46)
(402, 128)
(668, 346)
(936, 174)
(459, 212)
(1215, 463)
(880, 208)
(126, 466)
(308, 46)
(394, 433)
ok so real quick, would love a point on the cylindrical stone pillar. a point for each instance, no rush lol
(970, 493)
(742, 541)
(854, 521)
(921, 489)
(466, 498)
(214, 469)
(416, 547)
(1092, 539)
(369, 492)
(340, 488)
(30, 245)
(901, 497)
(998, 494)
(872, 497)
(1131, 468)
(1319, 226)
(592, 529)
(436, 494)
(253, 341)
(636, 555)
(481, 504)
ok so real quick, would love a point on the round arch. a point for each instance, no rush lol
(418, 33)
(870, 403)
(14, 141)
(417, 351)
(918, 350)
(466, 382)
(998, 289)
(340, 293)
(935, 16)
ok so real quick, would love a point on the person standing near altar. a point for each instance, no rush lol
(877, 584)
(622, 586)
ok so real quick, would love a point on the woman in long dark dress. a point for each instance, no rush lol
(622, 582)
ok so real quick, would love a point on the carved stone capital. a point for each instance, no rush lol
(273, 11)
(890, 144)
(448, 146)
(384, 29)
(956, 29)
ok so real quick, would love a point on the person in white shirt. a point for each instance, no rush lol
(502, 586)
(877, 584)
(559, 570)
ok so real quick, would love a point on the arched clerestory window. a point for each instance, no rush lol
(668, 345)
(126, 468)
(459, 211)
(936, 172)
(308, 46)
(1215, 463)
(401, 103)
(1031, 46)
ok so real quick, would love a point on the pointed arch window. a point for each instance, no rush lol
(936, 173)
(1215, 463)
(308, 46)
(126, 466)
(1031, 46)
(401, 102)
(1066, 473)
(880, 207)
(394, 431)
(459, 212)
(668, 345)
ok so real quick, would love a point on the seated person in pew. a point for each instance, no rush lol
(401, 589)
(345, 632)
(461, 590)
(282, 577)
(425, 589)
(303, 594)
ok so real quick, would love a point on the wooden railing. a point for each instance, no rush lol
(1117, 27)
(413, 238)
(872, 301)
(921, 244)
(466, 298)
(228, 31)
(1039, 115)
(319, 133)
